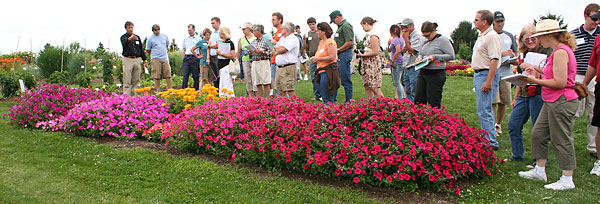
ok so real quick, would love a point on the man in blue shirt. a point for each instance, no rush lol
(157, 47)
(190, 62)
(213, 46)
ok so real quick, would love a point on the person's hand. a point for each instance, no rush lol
(259, 51)
(391, 64)
(532, 79)
(146, 64)
(486, 86)
(208, 60)
(133, 37)
(218, 52)
(200, 56)
(418, 60)
(273, 41)
(508, 53)
(412, 51)
(430, 58)
(512, 104)
(313, 60)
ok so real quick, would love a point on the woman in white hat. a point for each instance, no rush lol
(557, 117)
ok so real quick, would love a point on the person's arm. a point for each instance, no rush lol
(514, 102)
(277, 50)
(559, 69)
(447, 49)
(396, 54)
(304, 45)
(374, 47)
(487, 85)
(239, 49)
(331, 55)
(193, 49)
(589, 75)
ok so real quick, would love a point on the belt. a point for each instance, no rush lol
(189, 55)
(285, 65)
(481, 70)
(260, 58)
(343, 50)
(132, 57)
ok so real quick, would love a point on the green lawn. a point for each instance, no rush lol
(43, 167)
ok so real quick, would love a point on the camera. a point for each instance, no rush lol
(357, 51)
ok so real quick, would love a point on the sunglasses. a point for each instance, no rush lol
(427, 36)
(531, 39)
(155, 29)
(593, 19)
(477, 19)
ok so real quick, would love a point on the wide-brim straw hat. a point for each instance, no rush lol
(547, 26)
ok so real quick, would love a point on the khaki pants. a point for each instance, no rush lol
(131, 74)
(555, 124)
(587, 106)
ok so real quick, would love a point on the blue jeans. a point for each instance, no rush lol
(343, 62)
(410, 82)
(324, 88)
(190, 65)
(316, 92)
(524, 107)
(397, 71)
(273, 74)
(484, 104)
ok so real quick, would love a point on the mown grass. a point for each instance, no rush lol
(44, 167)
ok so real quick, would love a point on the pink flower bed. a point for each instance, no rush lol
(379, 142)
(48, 102)
(116, 115)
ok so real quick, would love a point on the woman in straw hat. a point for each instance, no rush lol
(557, 117)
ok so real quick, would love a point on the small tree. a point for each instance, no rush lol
(107, 68)
(549, 15)
(74, 48)
(100, 51)
(173, 47)
(49, 59)
(464, 35)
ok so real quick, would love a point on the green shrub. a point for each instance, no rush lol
(8, 83)
(75, 63)
(175, 60)
(59, 77)
(49, 60)
(28, 77)
(83, 79)
(107, 69)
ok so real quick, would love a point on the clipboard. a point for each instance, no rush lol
(516, 79)
(419, 65)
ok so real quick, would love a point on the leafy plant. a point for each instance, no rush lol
(176, 60)
(59, 77)
(107, 68)
(83, 79)
(559, 18)
(49, 60)
(464, 35)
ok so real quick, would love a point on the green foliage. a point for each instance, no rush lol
(549, 15)
(173, 47)
(49, 59)
(59, 77)
(464, 34)
(118, 72)
(74, 48)
(175, 60)
(107, 68)
(83, 79)
(464, 52)
(100, 51)
(77, 60)
(8, 83)
(28, 76)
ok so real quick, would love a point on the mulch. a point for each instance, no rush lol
(378, 193)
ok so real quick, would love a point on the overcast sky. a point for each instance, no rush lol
(29, 24)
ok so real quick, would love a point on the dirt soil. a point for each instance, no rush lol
(379, 193)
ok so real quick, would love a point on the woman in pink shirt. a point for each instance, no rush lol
(557, 117)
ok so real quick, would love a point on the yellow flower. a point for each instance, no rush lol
(147, 88)
(230, 92)
(224, 90)
(139, 90)
(188, 106)
(164, 104)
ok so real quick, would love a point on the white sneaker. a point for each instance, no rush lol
(533, 174)
(596, 169)
(560, 185)
(498, 129)
(305, 77)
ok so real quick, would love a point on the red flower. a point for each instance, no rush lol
(356, 179)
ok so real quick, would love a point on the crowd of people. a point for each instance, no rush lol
(272, 64)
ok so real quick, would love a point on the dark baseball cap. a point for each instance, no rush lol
(498, 16)
(334, 14)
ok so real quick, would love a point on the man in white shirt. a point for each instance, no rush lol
(191, 64)
(286, 50)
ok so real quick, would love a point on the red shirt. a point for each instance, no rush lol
(276, 37)
(593, 62)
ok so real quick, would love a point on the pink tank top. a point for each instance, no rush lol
(550, 94)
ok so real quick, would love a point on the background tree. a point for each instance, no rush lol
(559, 18)
(50, 58)
(74, 48)
(464, 37)
(173, 47)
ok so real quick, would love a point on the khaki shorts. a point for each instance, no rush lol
(160, 68)
(261, 72)
(285, 78)
(207, 76)
(248, 76)
(504, 93)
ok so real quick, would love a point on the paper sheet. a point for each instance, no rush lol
(225, 82)
(535, 59)
(225, 48)
(516, 79)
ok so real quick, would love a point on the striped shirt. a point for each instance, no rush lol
(585, 43)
